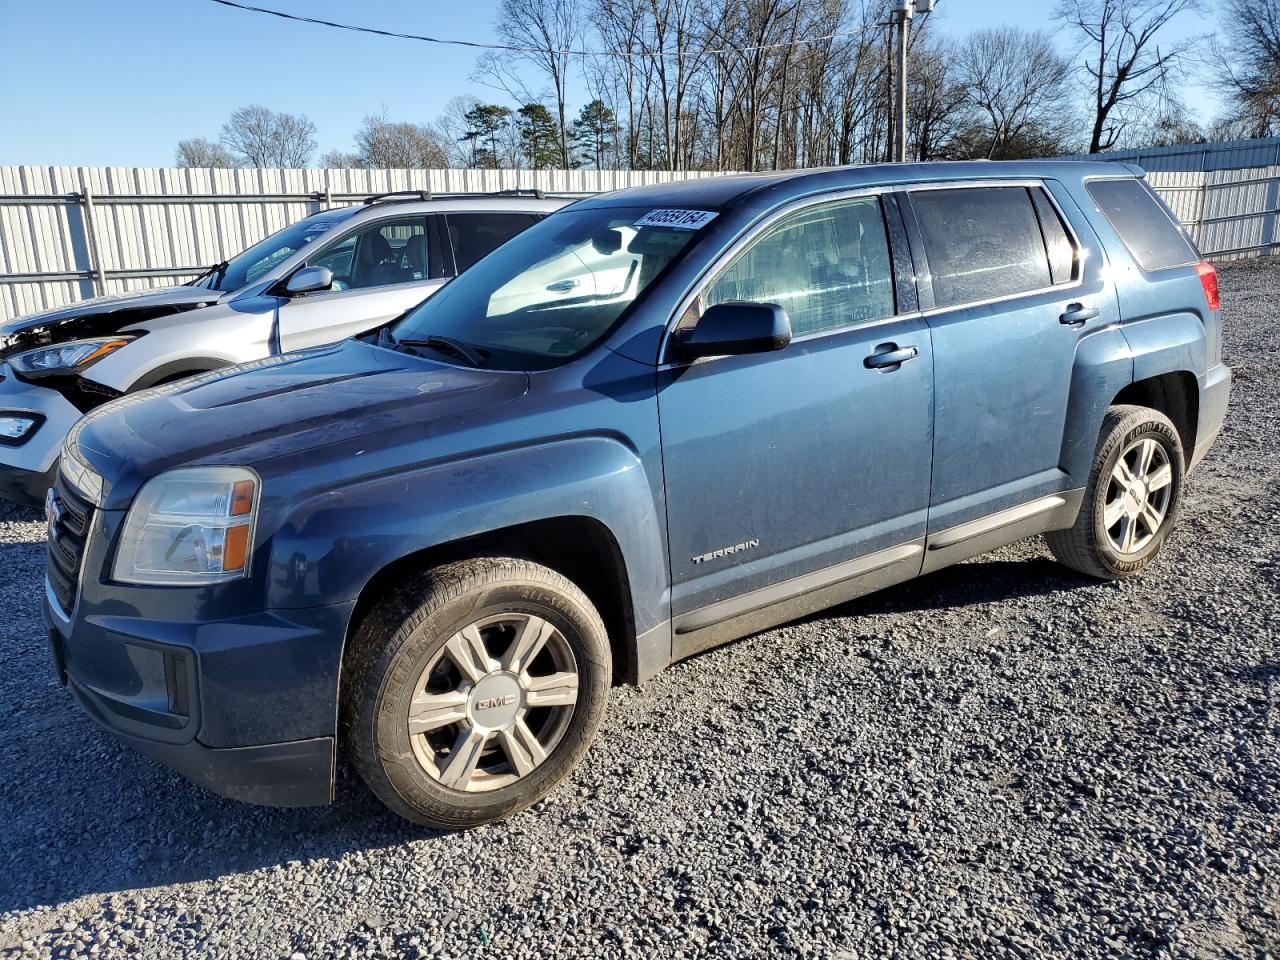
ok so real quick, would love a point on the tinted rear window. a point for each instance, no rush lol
(982, 243)
(476, 235)
(1153, 239)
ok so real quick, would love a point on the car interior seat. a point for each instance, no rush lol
(376, 262)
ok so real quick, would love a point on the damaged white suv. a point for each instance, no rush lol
(328, 277)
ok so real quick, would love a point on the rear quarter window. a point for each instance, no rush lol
(1148, 233)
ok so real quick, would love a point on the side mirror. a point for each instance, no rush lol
(736, 327)
(309, 280)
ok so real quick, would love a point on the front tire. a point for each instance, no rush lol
(1132, 498)
(473, 690)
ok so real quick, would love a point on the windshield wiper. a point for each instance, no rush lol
(217, 271)
(471, 354)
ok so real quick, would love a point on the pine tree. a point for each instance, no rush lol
(593, 132)
(539, 142)
(484, 122)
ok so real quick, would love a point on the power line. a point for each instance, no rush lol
(512, 48)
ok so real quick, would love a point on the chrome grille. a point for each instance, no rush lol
(70, 516)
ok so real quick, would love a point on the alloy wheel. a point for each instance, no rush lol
(1138, 496)
(493, 704)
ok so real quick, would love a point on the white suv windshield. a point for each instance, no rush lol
(552, 291)
(254, 263)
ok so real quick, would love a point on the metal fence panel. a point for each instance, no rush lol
(1190, 157)
(67, 233)
(1230, 213)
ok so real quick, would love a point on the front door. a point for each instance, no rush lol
(1012, 298)
(380, 270)
(782, 467)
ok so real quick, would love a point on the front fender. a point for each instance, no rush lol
(220, 335)
(331, 545)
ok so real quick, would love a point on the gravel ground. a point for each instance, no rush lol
(1001, 759)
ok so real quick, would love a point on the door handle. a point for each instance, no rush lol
(562, 286)
(889, 357)
(1077, 313)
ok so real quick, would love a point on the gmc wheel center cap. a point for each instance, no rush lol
(495, 701)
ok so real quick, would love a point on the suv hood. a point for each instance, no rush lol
(276, 409)
(101, 316)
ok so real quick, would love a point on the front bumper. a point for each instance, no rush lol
(26, 469)
(244, 706)
(294, 774)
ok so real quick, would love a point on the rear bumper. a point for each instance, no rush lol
(1215, 394)
(27, 468)
(246, 707)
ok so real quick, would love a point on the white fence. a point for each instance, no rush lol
(67, 233)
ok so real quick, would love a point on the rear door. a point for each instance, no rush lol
(1013, 293)
(380, 270)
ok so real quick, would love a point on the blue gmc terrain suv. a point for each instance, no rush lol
(656, 421)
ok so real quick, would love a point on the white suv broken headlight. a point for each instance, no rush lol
(66, 357)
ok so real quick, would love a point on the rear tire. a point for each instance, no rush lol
(471, 691)
(1132, 499)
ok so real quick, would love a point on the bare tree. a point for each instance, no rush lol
(936, 102)
(199, 152)
(340, 160)
(453, 126)
(672, 29)
(385, 144)
(620, 80)
(1017, 85)
(1122, 57)
(547, 30)
(1248, 67)
(259, 137)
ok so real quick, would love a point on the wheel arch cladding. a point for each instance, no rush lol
(177, 370)
(583, 506)
(1177, 396)
(580, 548)
(1103, 367)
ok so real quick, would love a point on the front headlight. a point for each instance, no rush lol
(190, 526)
(66, 357)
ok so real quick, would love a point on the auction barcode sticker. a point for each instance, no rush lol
(680, 219)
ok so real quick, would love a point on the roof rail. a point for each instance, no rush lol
(404, 196)
(521, 192)
(401, 195)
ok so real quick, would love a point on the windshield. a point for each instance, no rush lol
(253, 264)
(554, 290)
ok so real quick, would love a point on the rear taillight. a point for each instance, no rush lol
(1209, 280)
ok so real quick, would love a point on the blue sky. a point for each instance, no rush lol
(93, 82)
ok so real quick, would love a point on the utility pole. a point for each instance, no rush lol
(900, 21)
(900, 18)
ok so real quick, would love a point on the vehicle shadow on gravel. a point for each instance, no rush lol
(13, 513)
(984, 580)
(146, 827)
